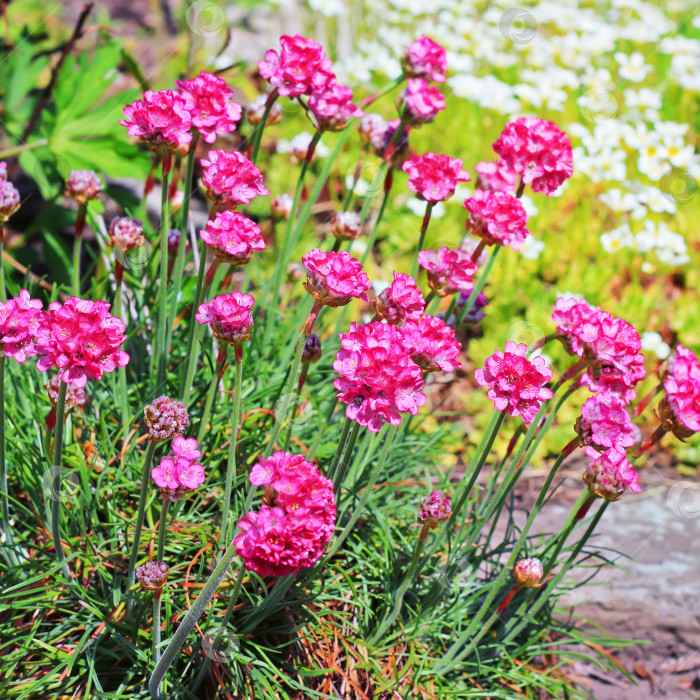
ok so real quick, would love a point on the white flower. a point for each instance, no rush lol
(617, 239)
(328, 8)
(531, 248)
(632, 67)
(653, 342)
(657, 200)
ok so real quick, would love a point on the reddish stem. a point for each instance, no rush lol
(167, 162)
(51, 418)
(302, 376)
(647, 400)
(651, 440)
(478, 251)
(211, 272)
(80, 220)
(585, 507)
(509, 597)
(118, 271)
(313, 315)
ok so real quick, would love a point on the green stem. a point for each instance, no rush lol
(9, 152)
(156, 625)
(375, 227)
(80, 221)
(333, 467)
(479, 286)
(163, 306)
(322, 431)
(6, 527)
(57, 468)
(162, 527)
(451, 307)
(231, 464)
(347, 459)
(421, 238)
(3, 293)
(257, 136)
(216, 378)
(123, 395)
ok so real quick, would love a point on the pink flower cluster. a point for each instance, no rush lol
(425, 58)
(449, 271)
(179, 474)
(153, 575)
(214, 113)
(498, 218)
(431, 344)
(538, 151)
(295, 522)
(346, 225)
(421, 102)
(229, 316)
(9, 200)
(231, 179)
(81, 338)
(83, 185)
(609, 473)
(610, 346)
(681, 404)
(379, 380)
(333, 106)
(529, 572)
(434, 177)
(232, 237)
(333, 279)
(516, 384)
(378, 133)
(401, 301)
(435, 508)
(19, 321)
(605, 423)
(125, 234)
(495, 177)
(165, 418)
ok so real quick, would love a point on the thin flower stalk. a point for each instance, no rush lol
(209, 401)
(6, 526)
(57, 468)
(163, 299)
(421, 237)
(162, 528)
(123, 393)
(344, 464)
(257, 136)
(79, 226)
(481, 283)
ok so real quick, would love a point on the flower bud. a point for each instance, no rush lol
(434, 509)
(9, 200)
(256, 109)
(125, 234)
(347, 225)
(153, 575)
(75, 396)
(165, 418)
(174, 240)
(83, 185)
(312, 349)
(281, 206)
(529, 572)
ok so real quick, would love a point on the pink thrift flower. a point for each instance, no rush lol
(537, 150)
(334, 279)
(295, 522)
(425, 58)
(434, 177)
(493, 176)
(401, 301)
(165, 418)
(569, 315)
(515, 383)
(75, 397)
(232, 237)
(346, 225)
(160, 119)
(190, 474)
(421, 101)
(179, 474)
(449, 271)
(214, 113)
(165, 474)
(83, 185)
(373, 128)
(229, 316)
(333, 107)
(498, 218)
(153, 575)
(379, 380)
(300, 66)
(435, 508)
(9, 200)
(82, 339)
(432, 344)
(529, 572)
(256, 109)
(231, 179)
(605, 423)
(681, 404)
(186, 448)
(19, 321)
(609, 473)
(125, 234)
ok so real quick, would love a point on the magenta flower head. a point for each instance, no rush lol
(161, 119)
(214, 113)
(179, 474)
(605, 423)
(295, 522)
(300, 65)
(434, 177)
(231, 179)
(449, 271)
(312, 349)
(19, 322)
(378, 379)
(346, 225)
(528, 573)
(401, 301)
(515, 383)
(232, 237)
(166, 418)
(426, 59)
(332, 106)
(82, 339)
(333, 279)
(609, 473)
(435, 509)
(230, 318)
(498, 218)
(538, 151)
(281, 206)
(256, 109)
(493, 176)
(9, 200)
(153, 575)
(432, 345)
(83, 185)
(421, 102)
(680, 407)
(125, 234)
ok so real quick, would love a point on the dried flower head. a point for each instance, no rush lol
(256, 109)
(75, 396)
(609, 473)
(153, 575)
(346, 225)
(281, 206)
(165, 418)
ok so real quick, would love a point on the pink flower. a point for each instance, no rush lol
(125, 234)
(255, 110)
(82, 339)
(214, 113)
(75, 397)
(231, 179)
(229, 316)
(186, 448)
(529, 572)
(449, 271)
(9, 200)
(494, 176)
(609, 473)
(498, 218)
(83, 185)
(378, 381)
(333, 106)
(346, 225)
(299, 68)
(434, 509)
(165, 418)
(160, 119)
(681, 404)
(516, 383)
(19, 320)
(295, 522)
(570, 315)
(425, 58)
(421, 101)
(334, 279)
(165, 474)
(401, 301)
(3, 170)
(179, 474)
(605, 423)
(537, 150)
(373, 128)
(432, 345)
(232, 237)
(153, 575)
(434, 177)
